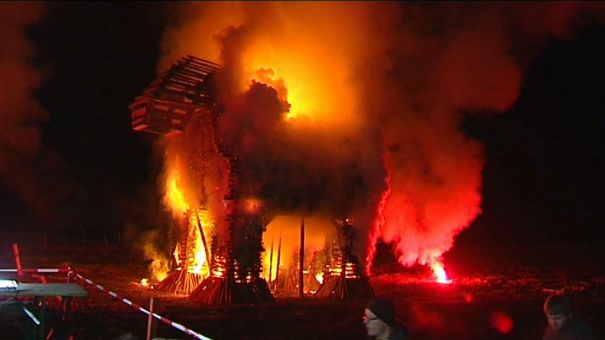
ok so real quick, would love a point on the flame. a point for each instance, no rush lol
(439, 272)
(175, 197)
(307, 97)
(218, 269)
(319, 277)
(159, 269)
(201, 262)
(315, 85)
(198, 263)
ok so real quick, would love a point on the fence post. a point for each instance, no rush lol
(17, 259)
(150, 319)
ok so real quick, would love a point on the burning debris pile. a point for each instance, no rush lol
(314, 259)
(344, 277)
(191, 267)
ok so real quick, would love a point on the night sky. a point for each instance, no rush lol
(542, 181)
(545, 159)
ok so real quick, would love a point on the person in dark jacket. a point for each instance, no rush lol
(562, 323)
(381, 323)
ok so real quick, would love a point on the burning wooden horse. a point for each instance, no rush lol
(166, 108)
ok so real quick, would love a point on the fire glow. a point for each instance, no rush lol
(282, 239)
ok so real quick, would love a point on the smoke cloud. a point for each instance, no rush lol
(32, 171)
(354, 109)
(22, 159)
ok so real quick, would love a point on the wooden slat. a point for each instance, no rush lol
(166, 106)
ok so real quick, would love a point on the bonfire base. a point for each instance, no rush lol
(221, 291)
(180, 282)
(345, 288)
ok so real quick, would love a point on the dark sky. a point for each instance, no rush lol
(545, 159)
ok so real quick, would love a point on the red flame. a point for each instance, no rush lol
(439, 272)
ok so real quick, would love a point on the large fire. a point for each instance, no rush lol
(342, 108)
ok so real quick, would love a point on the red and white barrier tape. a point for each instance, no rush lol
(136, 306)
(36, 270)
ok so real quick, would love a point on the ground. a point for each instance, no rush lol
(501, 301)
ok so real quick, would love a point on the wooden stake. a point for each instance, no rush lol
(17, 259)
(301, 264)
(199, 225)
(150, 319)
(271, 262)
(278, 257)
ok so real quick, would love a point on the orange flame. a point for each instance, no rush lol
(176, 199)
(199, 262)
(201, 265)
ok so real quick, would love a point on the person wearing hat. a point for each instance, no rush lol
(379, 319)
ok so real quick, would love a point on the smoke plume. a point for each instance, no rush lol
(355, 109)
(22, 158)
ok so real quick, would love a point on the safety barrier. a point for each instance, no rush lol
(136, 306)
(36, 270)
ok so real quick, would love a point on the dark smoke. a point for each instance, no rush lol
(31, 171)
(22, 158)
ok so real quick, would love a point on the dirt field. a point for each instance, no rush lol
(501, 301)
